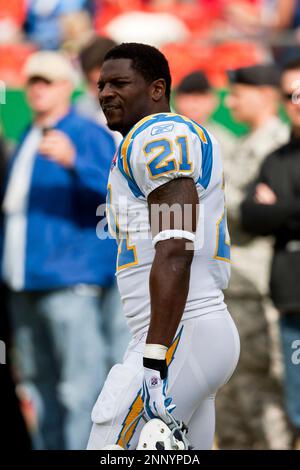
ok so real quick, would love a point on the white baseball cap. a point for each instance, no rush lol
(52, 66)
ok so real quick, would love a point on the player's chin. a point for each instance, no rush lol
(114, 121)
(114, 125)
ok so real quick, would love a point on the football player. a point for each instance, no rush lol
(165, 207)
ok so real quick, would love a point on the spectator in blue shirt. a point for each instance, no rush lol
(57, 270)
(43, 25)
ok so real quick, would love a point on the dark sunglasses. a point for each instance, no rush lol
(288, 96)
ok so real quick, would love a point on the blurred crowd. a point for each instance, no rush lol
(236, 32)
(61, 315)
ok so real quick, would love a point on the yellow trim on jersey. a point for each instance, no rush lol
(217, 241)
(127, 141)
(128, 248)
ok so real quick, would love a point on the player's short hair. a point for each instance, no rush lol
(147, 60)
(293, 64)
(93, 53)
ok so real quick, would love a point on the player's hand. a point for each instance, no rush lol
(264, 194)
(154, 395)
(57, 146)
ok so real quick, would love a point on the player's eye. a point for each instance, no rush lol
(100, 86)
(121, 83)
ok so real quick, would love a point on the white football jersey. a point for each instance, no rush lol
(157, 149)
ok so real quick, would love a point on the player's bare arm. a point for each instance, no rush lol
(169, 285)
(170, 273)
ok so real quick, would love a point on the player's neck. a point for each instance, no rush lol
(163, 108)
(157, 108)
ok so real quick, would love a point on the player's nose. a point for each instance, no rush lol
(106, 92)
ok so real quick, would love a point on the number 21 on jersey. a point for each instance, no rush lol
(161, 164)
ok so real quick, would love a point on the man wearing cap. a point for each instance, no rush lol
(53, 263)
(250, 412)
(194, 98)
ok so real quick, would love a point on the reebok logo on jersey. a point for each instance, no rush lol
(162, 128)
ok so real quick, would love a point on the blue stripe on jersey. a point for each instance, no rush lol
(207, 160)
(129, 150)
(130, 180)
(165, 117)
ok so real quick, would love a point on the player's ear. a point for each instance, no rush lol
(158, 89)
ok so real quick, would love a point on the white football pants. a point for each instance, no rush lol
(202, 358)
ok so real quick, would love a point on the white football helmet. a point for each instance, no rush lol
(157, 435)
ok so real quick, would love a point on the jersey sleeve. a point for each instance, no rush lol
(162, 153)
